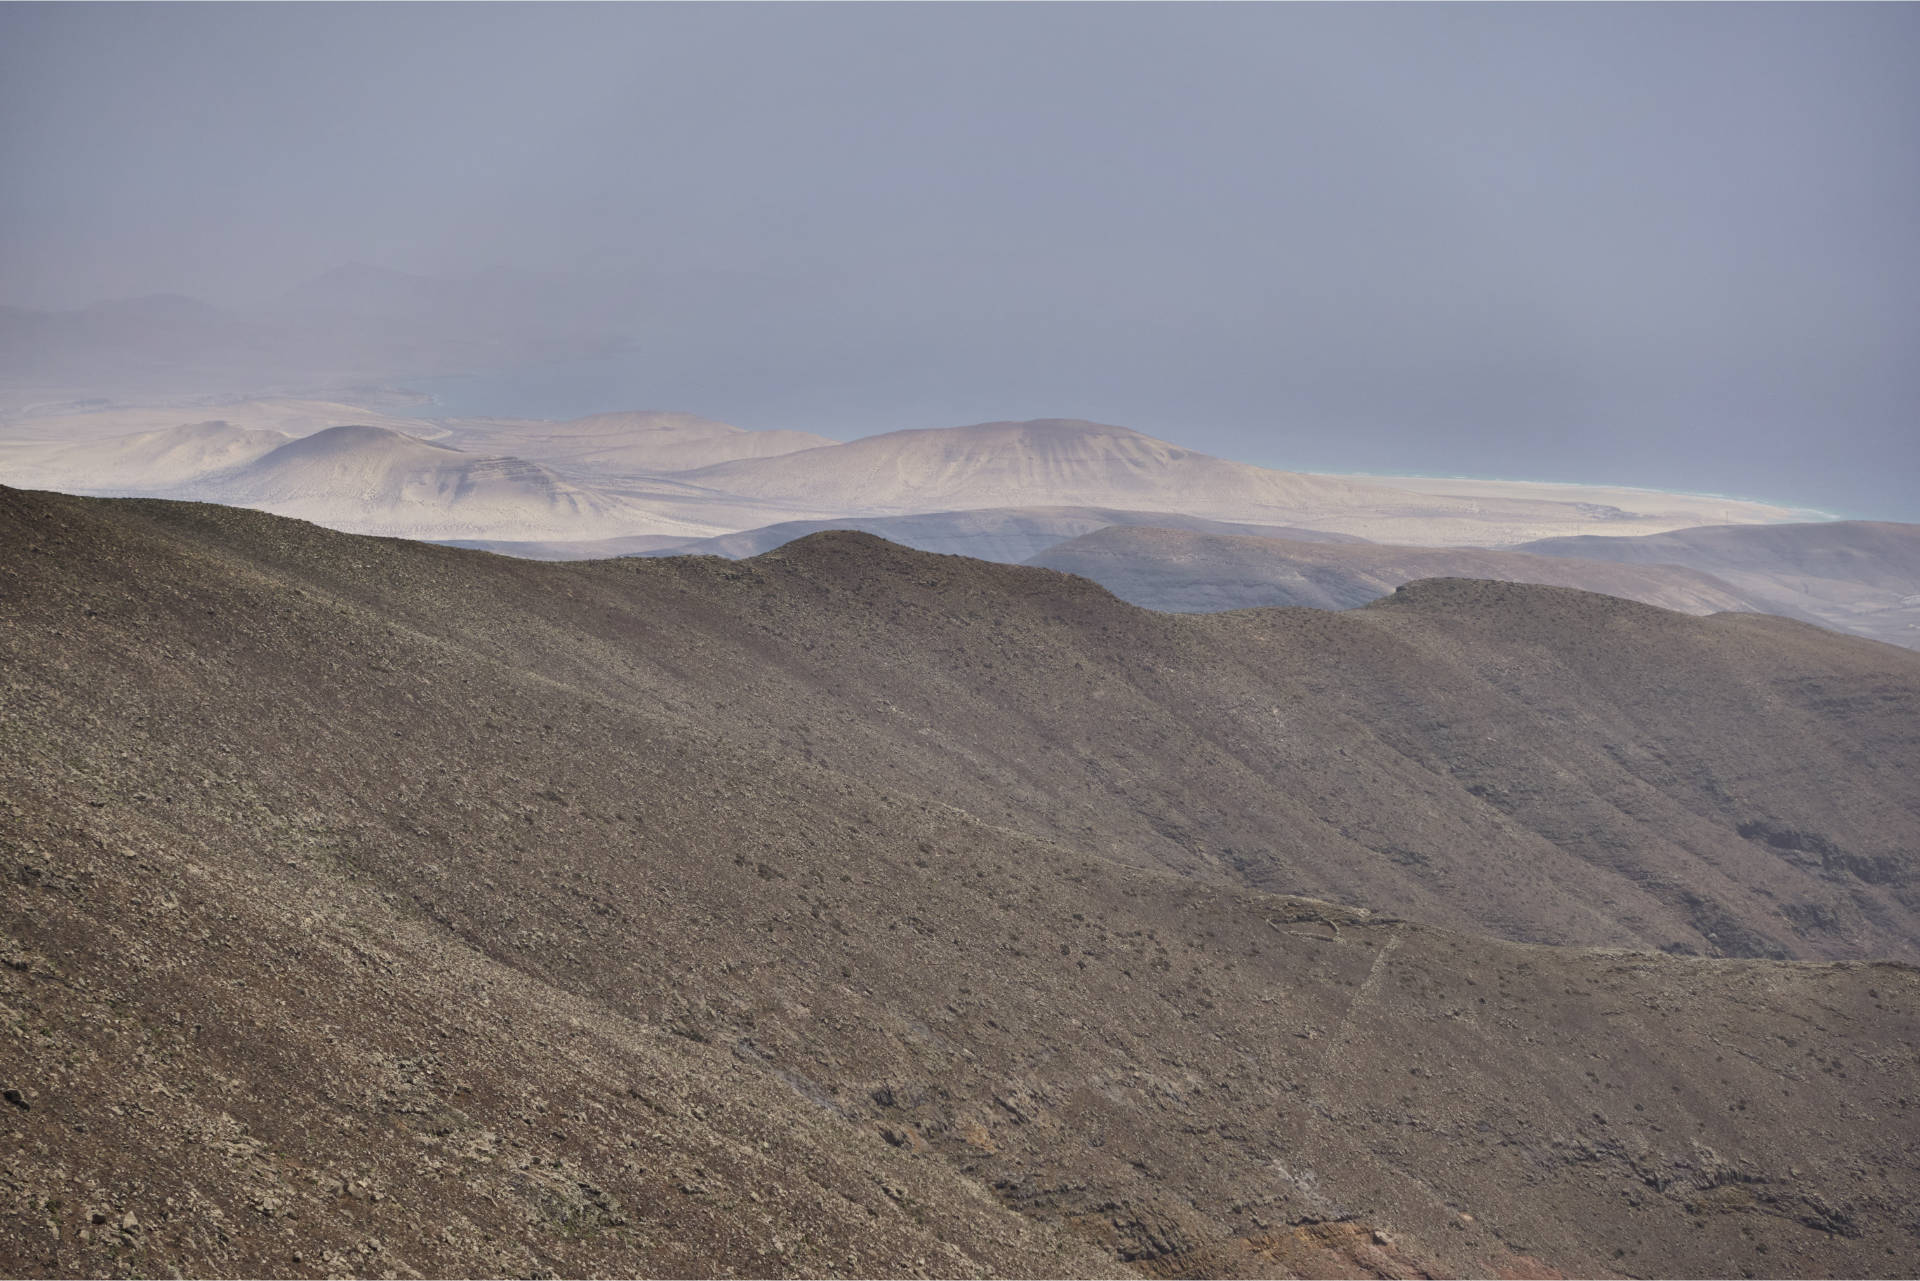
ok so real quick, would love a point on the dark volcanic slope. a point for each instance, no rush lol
(381, 907)
(1203, 572)
(1624, 775)
(1860, 576)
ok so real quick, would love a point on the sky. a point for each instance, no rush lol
(1667, 245)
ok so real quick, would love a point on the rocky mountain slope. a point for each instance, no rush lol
(1859, 576)
(381, 907)
(1197, 572)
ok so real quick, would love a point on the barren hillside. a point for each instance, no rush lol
(382, 907)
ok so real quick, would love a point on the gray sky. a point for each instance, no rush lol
(1665, 245)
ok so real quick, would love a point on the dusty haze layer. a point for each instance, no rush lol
(1663, 247)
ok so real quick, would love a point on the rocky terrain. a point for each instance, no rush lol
(377, 907)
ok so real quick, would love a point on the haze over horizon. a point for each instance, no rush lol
(1662, 247)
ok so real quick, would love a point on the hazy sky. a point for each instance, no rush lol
(1669, 245)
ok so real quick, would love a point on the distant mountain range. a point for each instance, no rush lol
(1067, 462)
(369, 480)
(378, 480)
(1159, 524)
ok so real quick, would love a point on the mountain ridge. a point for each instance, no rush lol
(609, 917)
(619, 916)
(1007, 666)
(674, 471)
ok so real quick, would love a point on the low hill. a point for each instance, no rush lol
(1858, 576)
(412, 478)
(372, 480)
(1187, 571)
(382, 907)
